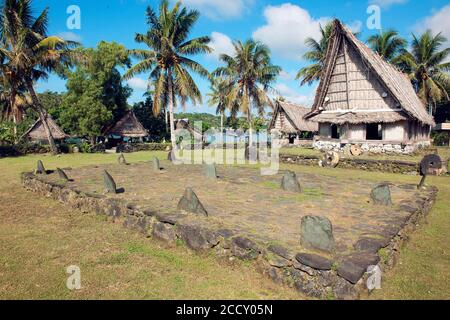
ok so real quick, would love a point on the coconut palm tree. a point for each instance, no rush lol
(217, 97)
(249, 74)
(30, 53)
(387, 44)
(425, 64)
(167, 58)
(317, 55)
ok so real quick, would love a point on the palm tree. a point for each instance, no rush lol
(217, 97)
(425, 64)
(316, 55)
(387, 44)
(167, 61)
(30, 53)
(249, 75)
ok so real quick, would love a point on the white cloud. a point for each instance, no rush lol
(293, 96)
(287, 28)
(387, 3)
(220, 9)
(356, 26)
(221, 44)
(137, 83)
(70, 36)
(438, 22)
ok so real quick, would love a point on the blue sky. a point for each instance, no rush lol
(282, 25)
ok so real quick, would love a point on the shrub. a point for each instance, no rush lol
(441, 139)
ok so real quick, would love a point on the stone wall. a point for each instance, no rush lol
(392, 166)
(373, 147)
(309, 273)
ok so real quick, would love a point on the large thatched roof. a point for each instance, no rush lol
(291, 118)
(37, 131)
(129, 126)
(358, 86)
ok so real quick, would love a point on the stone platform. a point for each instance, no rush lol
(251, 218)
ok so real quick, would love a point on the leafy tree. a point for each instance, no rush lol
(217, 98)
(425, 64)
(30, 53)
(388, 45)
(167, 58)
(51, 101)
(249, 74)
(154, 124)
(96, 96)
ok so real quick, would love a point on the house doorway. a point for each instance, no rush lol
(374, 131)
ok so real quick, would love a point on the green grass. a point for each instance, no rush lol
(40, 237)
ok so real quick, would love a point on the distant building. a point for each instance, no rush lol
(37, 132)
(363, 100)
(445, 128)
(288, 120)
(127, 127)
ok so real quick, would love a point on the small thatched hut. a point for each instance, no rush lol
(127, 127)
(183, 124)
(366, 101)
(37, 131)
(288, 120)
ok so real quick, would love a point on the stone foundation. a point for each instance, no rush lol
(311, 273)
(393, 166)
(373, 147)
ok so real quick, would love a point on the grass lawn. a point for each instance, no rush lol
(41, 237)
(444, 153)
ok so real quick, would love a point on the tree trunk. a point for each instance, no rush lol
(12, 100)
(42, 116)
(250, 130)
(171, 117)
(167, 119)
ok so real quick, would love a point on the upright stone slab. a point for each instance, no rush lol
(156, 165)
(210, 171)
(109, 183)
(62, 174)
(317, 233)
(381, 195)
(190, 203)
(40, 169)
(290, 182)
(121, 160)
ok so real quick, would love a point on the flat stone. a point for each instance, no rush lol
(350, 271)
(244, 248)
(308, 270)
(40, 169)
(190, 203)
(280, 251)
(109, 183)
(278, 262)
(314, 261)
(353, 266)
(62, 175)
(317, 233)
(156, 165)
(121, 160)
(193, 237)
(170, 218)
(381, 195)
(225, 233)
(369, 244)
(210, 171)
(290, 182)
(164, 231)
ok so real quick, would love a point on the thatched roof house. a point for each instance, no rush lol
(183, 124)
(364, 100)
(37, 131)
(288, 119)
(127, 127)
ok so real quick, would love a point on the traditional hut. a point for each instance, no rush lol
(183, 124)
(363, 100)
(37, 132)
(127, 127)
(288, 120)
